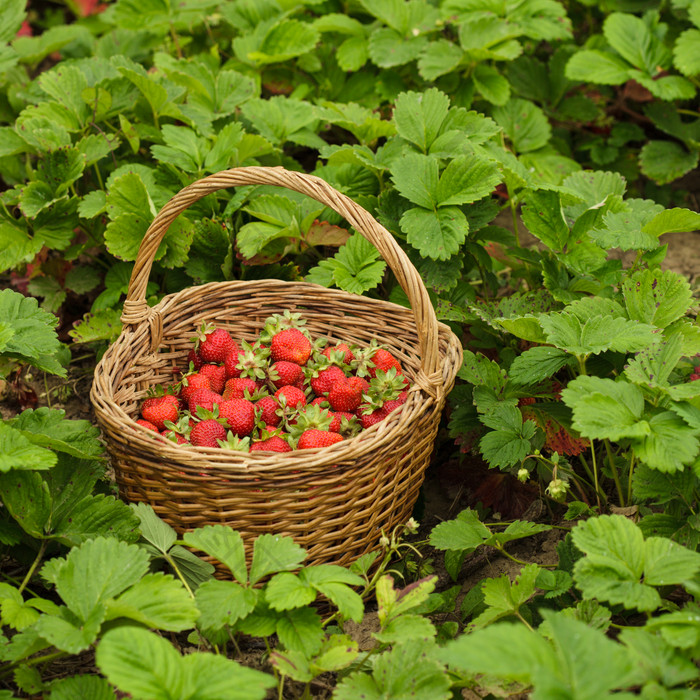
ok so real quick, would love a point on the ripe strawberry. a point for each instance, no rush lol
(337, 420)
(346, 395)
(239, 415)
(290, 345)
(293, 397)
(174, 437)
(206, 398)
(158, 409)
(367, 420)
(147, 424)
(340, 354)
(192, 383)
(384, 360)
(283, 373)
(214, 344)
(207, 432)
(231, 363)
(217, 376)
(236, 388)
(326, 378)
(266, 409)
(393, 404)
(311, 439)
(276, 443)
(195, 359)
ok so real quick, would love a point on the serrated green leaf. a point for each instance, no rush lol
(438, 58)
(673, 220)
(224, 603)
(631, 37)
(544, 218)
(494, 88)
(224, 544)
(505, 448)
(301, 630)
(478, 370)
(274, 553)
(405, 628)
(465, 180)
(416, 178)
(517, 530)
(466, 532)
(626, 228)
(686, 51)
(653, 366)
(17, 452)
(71, 635)
(26, 496)
(283, 41)
(592, 188)
(525, 124)
(536, 364)
(387, 48)
(349, 603)
(419, 116)
(602, 67)
(665, 161)
(670, 444)
(286, 591)
(153, 529)
(78, 687)
(435, 234)
(12, 14)
(656, 297)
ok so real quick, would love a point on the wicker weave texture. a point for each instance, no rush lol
(335, 502)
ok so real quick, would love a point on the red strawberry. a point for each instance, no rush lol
(207, 432)
(384, 360)
(293, 397)
(158, 409)
(266, 408)
(192, 383)
(367, 420)
(217, 376)
(393, 404)
(326, 378)
(340, 353)
(206, 398)
(239, 414)
(236, 388)
(230, 362)
(285, 373)
(275, 443)
(346, 395)
(337, 419)
(321, 401)
(195, 359)
(310, 439)
(174, 437)
(147, 424)
(214, 345)
(290, 345)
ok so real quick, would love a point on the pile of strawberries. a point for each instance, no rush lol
(283, 392)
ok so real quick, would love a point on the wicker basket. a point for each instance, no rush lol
(335, 502)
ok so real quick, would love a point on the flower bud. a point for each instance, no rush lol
(523, 474)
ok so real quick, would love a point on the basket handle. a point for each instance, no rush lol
(136, 310)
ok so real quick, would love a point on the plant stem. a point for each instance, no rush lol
(629, 479)
(502, 550)
(35, 563)
(613, 469)
(595, 475)
(172, 563)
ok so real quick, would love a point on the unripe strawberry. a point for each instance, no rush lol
(158, 409)
(326, 379)
(290, 345)
(346, 395)
(206, 398)
(236, 388)
(285, 373)
(216, 345)
(310, 439)
(266, 409)
(293, 397)
(207, 432)
(148, 425)
(192, 383)
(239, 415)
(216, 374)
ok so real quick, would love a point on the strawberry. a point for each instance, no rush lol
(290, 345)
(266, 409)
(346, 395)
(291, 396)
(174, 437)
(239, 415)
(384, 360)
(231, 363)
(237, 387)
(325, 379)
(283, 373)
(147, 424)
(206, 398)
(275, 443)
(340, 354)
(311, 439)
(233, 442)
(207, 432)
(337, 420)
(216, 374)
(213, 344)
(194, 358)
(393, 404)
(367, 420)
(158, 409)
(192, 383)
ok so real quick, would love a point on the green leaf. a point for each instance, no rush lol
(48, 427)
(466, 532)
(438, 58)
(301, 630)
(92, 204)
(153, 529)
(631, 37)
(505, 446)
(387, 48)
(26, 496)
(465, 180)
(36, 197)
(224, 544)
(673, 220)
(416, 178)
(666, 161)
(273, 553)
(653, 366)
(525, 124)
(656, 297)
(605, 409)
(70, 634)
(435, 234)
(670, 444)
(59, 169)
(104, 324)
(285, 40)
(98, 570)
(494, 88)
(517, 530)
(419, 116)
(12, 13)
(17, 452)
(626, 227)
(686, 52)
(147, 667)
(79, 687)
(224, 603)
(353, 53)
(478, 370)
(537, 364)
(602, 67)
(592, 188)
(544, 217)
(405, 628)
(286, 591)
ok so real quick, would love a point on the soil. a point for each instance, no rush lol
(452, 484)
